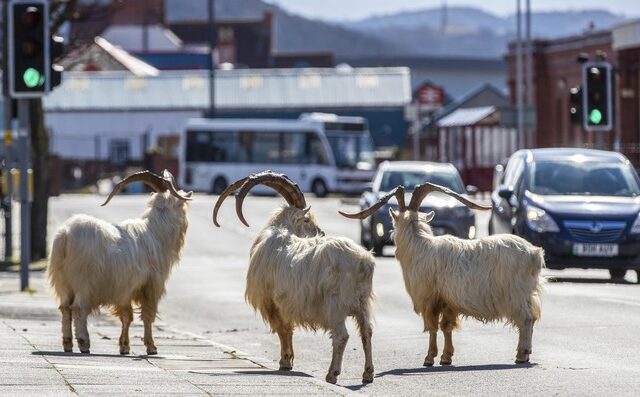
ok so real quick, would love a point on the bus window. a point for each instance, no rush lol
(293, 150)
(316, 152)
(266, 148)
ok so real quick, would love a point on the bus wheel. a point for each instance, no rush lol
(218, 185)
(319, 188)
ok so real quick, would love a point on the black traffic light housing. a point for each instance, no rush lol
(28, 60)
(575, 105)
(597, 101)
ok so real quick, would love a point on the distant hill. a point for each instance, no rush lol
(292, 33)
(469, 31)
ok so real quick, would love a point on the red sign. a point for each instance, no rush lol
(431, 95)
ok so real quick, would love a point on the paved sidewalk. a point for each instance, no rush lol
(32, 361)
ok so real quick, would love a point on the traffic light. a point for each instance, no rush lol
(597, 101)
(56, 49)
(575, 105)
(28, 60)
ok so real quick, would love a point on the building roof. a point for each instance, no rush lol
(235, 89)
(468, 117)
(428, 62)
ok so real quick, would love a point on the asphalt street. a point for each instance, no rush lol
(586, 343)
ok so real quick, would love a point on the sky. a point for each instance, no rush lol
(341, 10)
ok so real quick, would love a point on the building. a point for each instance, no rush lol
(557, 69)
(143, 29)
(104, 122)
(457, 76)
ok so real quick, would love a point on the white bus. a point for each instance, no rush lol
(216, 152)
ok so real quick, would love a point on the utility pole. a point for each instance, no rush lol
(529, 75)
(519, 93)
(212, 66)
(8, 195)
(25, 205)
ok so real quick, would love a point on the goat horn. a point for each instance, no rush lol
(398, 192)
(278, 182)
(156, 182)
(421, 191)
(230, 189)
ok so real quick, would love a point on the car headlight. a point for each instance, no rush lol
(635, 228)
(540, 221)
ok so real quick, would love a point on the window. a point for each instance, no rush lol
(119, 151)
(316, 152)
(266, 148)
(293, 150)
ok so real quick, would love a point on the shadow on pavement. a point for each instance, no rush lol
(78, 354)
(453, 368)
(584, 280)
(258, 372)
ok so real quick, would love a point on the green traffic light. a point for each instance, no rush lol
(595, 117)
(32, 78)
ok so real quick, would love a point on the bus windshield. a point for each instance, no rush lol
(354, 151)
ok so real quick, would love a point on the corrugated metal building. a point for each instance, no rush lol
(103, 121)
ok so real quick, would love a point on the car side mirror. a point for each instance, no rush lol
(472, 190)
(505, 192)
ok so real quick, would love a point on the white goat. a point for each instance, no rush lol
(490, 279)
(95, 263)
(299, 277)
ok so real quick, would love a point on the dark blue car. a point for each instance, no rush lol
(582, 206)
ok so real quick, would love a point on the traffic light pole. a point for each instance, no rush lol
(8, 195)
(25, 206)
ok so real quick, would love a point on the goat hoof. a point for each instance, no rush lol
(285, 368)
(367, 377)
(428, 362)
(332, 377)
(445, 361)
(152, 351)
(522, 360)
(124, 352)
(67, 345)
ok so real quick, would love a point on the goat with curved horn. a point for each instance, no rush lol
(492, 278)
(156, 182)
(292, 254)
(95, 264)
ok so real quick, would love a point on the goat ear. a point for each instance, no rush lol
(394, 214)
(429, 216)
(306, 209)
(189, 194)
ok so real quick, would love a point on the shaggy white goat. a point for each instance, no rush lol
(95, 263)
(490, 279)
(299, 277)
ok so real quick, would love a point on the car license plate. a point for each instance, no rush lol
(595, 249)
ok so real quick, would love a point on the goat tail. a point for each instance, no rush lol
(537, 264)
(56, 261)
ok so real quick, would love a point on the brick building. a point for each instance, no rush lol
(556, 70)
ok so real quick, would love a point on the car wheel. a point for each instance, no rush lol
(617, 273)
(218, 185)
(319, 188)
(491, 231)
(377, 249)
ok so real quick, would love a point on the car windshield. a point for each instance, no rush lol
(583, 178)
(409, 179)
